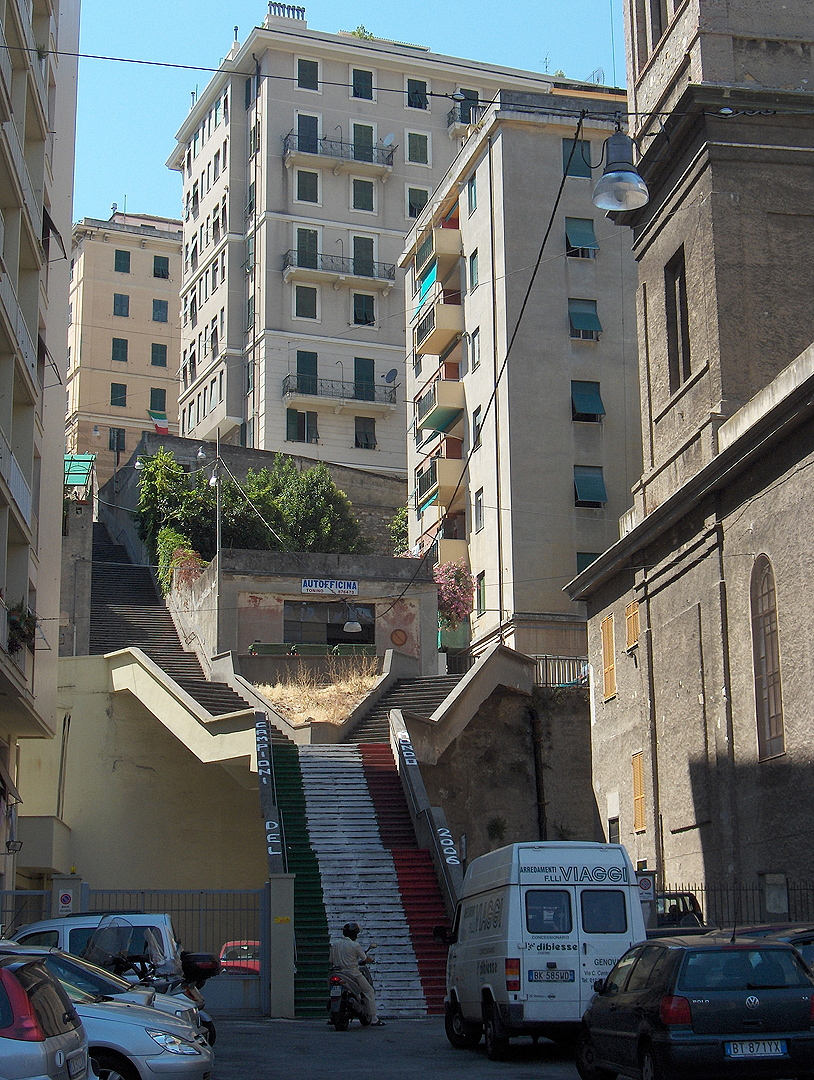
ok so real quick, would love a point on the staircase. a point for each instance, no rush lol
(125, 611)
(421, 696)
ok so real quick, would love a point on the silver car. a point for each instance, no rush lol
(41, 1035)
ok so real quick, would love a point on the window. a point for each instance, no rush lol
(608, 658)
(307, 186)
(364, 313)
(579, 164)
(307, 248)
(417, 199)
(119, 350)
(362, 194)
(307, 139)
(158, 354)
(472, 194)
(418, 148)
(589, 486)
(478, 510)
(161, 266)
(678, 330)
(305, 302)
(363, 256)
(473, 270)
(306, 372)
(585, 558)
(160, 310)
(548, 911)
(632, 625)
(480, 593)
(121, 305)
(417, 94)
(474, 344)
(70, 314)
(365, 433)
(363, 142)
(586, 404)
(301, 426)
(583, 320)
(362, 84)
(613, 830)
(216, 165)
(580, 241)
(766, 657)
(364, 385)
(121, 262)
(118, 395)
(637, 762)
(308, 74)
(158, 399)
(476, 427)
(115, 438)
(254, 139)
(603, 911)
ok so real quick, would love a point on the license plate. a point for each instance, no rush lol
(756, 1048)
(551, 976)
(336, 991)
(77, 1065)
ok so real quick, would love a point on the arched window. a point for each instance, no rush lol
(766, 653)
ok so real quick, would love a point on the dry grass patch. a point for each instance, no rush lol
(326, 696)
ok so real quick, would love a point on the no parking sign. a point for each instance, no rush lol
(66, 903)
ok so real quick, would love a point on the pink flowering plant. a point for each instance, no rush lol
(456, 588)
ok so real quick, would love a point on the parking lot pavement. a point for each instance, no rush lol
(404, 1050)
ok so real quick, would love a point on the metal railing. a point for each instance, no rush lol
(740, 904)
(338, 148)
(335, 264)
(427, 480)
(425, 327)
(562, 670)
(335, 388)
(12, 473)
(5, 62)
(32, 203)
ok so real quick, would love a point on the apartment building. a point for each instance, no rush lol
(526, 489)
(124, 335)
(38, 45)
(305, 162)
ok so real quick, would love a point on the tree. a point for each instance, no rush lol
(361, 32)
(318, 516)
(456, 587)
(398, 532)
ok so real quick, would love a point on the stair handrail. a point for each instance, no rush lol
(429, 822)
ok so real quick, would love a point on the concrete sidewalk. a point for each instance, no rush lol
(404, 1050)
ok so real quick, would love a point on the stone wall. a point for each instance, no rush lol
(74, 604)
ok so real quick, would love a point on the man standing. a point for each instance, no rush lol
(346, 954)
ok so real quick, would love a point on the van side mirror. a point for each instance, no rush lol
(442, 935)
(599, 985)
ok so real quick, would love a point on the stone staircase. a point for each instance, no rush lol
(421, 696)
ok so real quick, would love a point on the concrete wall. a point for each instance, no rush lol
(77, 547)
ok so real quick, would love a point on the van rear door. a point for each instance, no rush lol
(551, 961)
(604, 933)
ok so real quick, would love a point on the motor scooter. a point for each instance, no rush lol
(344, 1003)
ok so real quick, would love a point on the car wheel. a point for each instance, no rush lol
(111, 1067)
(497, 1045)
(461, 1034)
(650, 1070)
(585, 1059)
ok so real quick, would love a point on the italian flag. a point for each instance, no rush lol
(160, 421)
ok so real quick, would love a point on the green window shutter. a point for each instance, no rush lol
(121, 305)
(363, 256)
(158, 354)
(307, 186)
(417, 148)
(306, 302)
(583, 316)
(306, 372)
(417, 94)
(160, 310)
(362, 142)
(308, 75)
(579, 162)
(119, 351)
(586, 400)
(416, 201)
(580, 233)
(363, 84)
(589, 484)
(363, 310)
(585, 558)
(363, 377)
(307, 133)
(121, 262)
(362, 195)
(307, 248)
(291, 425)
(118, 395)
(311, 433)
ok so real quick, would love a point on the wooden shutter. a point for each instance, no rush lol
(632, 624)
(608, 658)
(638, 792)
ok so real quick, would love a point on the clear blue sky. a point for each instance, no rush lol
(128, 114)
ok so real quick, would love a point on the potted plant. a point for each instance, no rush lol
(22, 626)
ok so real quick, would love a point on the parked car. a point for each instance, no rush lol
(800, 935)
(241, 957)
(678, 909)
(684, 1007)
(41, 1035)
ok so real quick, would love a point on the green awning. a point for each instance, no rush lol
(589, 484)
(78, 469)
(583, 316)
(427, 280)
(586, 399)
(580, 232)
(422, 506)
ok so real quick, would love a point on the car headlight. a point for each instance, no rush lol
(190, 1015)
(172, 1043)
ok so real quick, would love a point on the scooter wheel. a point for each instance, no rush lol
(211, 1034)
(340, 1022)
(364, 1021)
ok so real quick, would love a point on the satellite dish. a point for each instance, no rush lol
(391, 375)
(388, 139)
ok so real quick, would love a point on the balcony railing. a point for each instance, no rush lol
(33, 205)
(562, 670)
(12, 473)
(427, 480)
(335, 264)
(19, 329)
(338, 148)
(335, 388)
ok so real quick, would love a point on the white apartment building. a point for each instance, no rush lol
(38, 45)
(526, 490)
(304, 163)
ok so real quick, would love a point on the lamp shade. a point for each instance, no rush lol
(621, 187)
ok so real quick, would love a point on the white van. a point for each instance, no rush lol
(535, 927)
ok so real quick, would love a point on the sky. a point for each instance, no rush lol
(127, 114)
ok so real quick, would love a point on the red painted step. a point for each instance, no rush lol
(418, 884)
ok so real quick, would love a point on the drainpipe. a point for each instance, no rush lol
(539, 765)
(495, 366)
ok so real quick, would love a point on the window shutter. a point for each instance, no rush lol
(291, 425)
(638, 792)
(608, 658)
(632, 624)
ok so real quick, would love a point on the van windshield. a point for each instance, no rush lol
(603, 911)
(548, 911)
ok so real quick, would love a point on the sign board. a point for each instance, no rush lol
(647, 885)
(268, 808)
(66, 903)
(330, 586)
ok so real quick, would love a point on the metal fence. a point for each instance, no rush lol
(734, 904)
(19, 907)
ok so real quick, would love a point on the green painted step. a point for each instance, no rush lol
(310, 923)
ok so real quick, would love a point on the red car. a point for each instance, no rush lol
(240, 957)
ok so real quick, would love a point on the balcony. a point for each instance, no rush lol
(316, 266)
(439, 481)
(18, 330)
(341, 396)
(442, 245)
(440, 323)
(337, 154)
(440, 405)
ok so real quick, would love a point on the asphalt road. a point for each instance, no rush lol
(404, 1050)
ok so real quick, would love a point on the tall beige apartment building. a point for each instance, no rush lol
(526, 489)
(305, 162)
(38, 45)
(124, 335)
